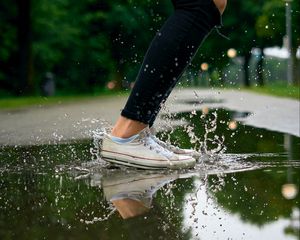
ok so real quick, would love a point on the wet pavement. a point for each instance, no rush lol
(245, 186)
(73, 121)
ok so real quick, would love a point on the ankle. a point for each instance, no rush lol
(125, 128)
(126, 133)
(120, 134)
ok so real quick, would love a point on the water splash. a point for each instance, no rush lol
(209, 138)
(99, 219)
(210, 126)
(97, 141)
(95, 151)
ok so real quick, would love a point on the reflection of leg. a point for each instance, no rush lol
(168, 55)
(129, 208)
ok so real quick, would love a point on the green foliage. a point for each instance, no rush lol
(238, 24)
(89, 43)
(7, 42)
(250, 24)
(85, 44)
(72, 44)
(270, 25)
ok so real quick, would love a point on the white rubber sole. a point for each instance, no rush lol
(150, 164)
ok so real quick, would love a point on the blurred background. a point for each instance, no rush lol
(64, 47)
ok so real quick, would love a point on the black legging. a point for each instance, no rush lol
(168, 55)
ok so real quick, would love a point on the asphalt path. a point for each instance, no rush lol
(77, 120)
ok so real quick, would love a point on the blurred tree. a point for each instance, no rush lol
(239, 21)
(272, 17)
(72, 44)
(24, 34)
(240, 24)
(270, 28)
(260, 191)
(8, 47)
(89, 43)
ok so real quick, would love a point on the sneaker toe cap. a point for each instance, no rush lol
(183, 161)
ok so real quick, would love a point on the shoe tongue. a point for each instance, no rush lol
(145, 132)
(152, 130)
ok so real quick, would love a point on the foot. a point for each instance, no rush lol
(143, 152)
(174, 149)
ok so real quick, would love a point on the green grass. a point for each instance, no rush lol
(22, 102)
(278, 90)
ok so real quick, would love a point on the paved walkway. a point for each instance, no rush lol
(66, 122)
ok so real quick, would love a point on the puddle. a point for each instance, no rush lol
(249, 192)
(201, 101)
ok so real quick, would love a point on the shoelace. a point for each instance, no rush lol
(164, 144)
(153, 145)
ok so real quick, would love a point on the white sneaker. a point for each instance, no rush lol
(143, 152)
(174, 149)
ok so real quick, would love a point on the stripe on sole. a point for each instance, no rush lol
(121, 162)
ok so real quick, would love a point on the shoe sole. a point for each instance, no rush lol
(118, 161)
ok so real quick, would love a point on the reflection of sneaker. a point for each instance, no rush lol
(139, 186)
(143, 152)
(131, 192)
(172, 148)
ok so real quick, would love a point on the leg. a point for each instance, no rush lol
(221, 5)
(168, 55)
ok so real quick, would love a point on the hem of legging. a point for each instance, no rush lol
(133, 116)
(218, 22)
